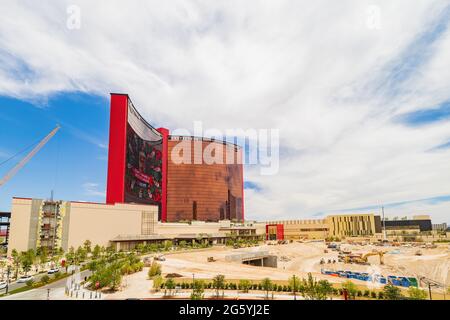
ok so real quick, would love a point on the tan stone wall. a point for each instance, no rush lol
(351, 225)
(303, 229)
(20, 225)
(100, 223)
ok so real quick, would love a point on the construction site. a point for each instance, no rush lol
(367, 265)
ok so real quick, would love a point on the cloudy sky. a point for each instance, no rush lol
(359, 91)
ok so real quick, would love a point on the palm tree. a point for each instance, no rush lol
(16, 262)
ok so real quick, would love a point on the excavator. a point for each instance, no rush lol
(363, 259)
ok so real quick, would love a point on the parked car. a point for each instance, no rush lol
(24, 279)
(3, 285)
(53, 270)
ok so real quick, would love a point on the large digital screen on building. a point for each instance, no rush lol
(143, 167)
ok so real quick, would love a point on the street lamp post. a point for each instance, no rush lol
(295, 287)
(429, 290)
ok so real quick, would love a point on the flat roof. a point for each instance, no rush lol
(139, 237)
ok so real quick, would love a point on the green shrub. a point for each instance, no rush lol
(366, 293)
(57, 275)
(380, 295)
(45, 279)
(155, 269)
(29, 283)
(373, 294)
(359, 293)
(416, 293)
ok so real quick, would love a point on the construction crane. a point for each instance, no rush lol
(28, 157)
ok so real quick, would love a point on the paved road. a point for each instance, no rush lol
(57, 290)
(15, 285)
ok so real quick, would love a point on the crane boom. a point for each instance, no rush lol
(27, 158)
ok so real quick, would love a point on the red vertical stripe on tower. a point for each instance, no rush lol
(115, 188)
(242, 178)
(165, 159)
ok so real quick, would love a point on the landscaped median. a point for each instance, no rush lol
(44, 280)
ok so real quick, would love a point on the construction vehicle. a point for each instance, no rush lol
(374, 253)
(361, 259)
(28, 157)
(211, 259)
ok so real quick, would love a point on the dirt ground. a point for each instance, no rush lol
(301, 258)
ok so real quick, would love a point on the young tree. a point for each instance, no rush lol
(218, 283)
(294, 284)
(315, 290)
(168, 245)
(183, 244)
(155, 269)
(87, 246)
(43, 256)
(80, 255)
(2, 267)
(198, 290)
(70, 256)
(266, 285)
(416, 293)
(26, 260)
(391, 292)
(245, 285)
(96, 252)
(16, 262)
(170, 285)
(351, 288)
(157, 282)
(115, 276)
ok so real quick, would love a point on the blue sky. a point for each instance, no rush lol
(73, 163)
(358, 89)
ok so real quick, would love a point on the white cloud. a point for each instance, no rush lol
(314, 70)
(91, 189)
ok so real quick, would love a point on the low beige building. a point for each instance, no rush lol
(353, 225)
(303, 229)
(63, 224)
(336, 226)
(33, 223)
